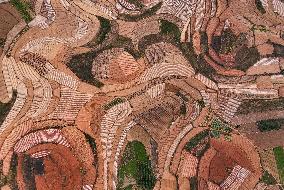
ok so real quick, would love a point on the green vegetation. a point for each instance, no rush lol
(11, 177)
(268, 179)
(136, 165)
(193, 142)
(28, 174)
(169, 28)
(228, 41)
(198, 63)
(105, 28)
(204, 42)
(193, 183)
(5, 108)
(260, 28)
(145, 14)
(137, 3)
(93, 145)
(23, 8)
(278, 50)
(279, 157)
(81, 65)
(259, 6)
(2, 42)
(183, 109)
(246, 57)
(259, 105)
(270, 124)
(182, 96)
(219, 128)
(114, 102)
(201, 103)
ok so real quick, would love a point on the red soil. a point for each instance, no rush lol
(219, 168)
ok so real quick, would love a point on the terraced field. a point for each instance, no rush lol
(141, 94)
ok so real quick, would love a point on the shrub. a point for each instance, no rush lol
(81, 65)
(246, 57)
(259, 6)
(204, 42)
(105, 28)
(28, 174)
(114, 102)
(169, 28)
(93, 146)
(193, 142)
(137, 3)
(228, 41)
(183, 109)
(270, 125)
(218, 127)
(6, 107)
(2, 42)
(182, 96)
(278, 50)
(268, 179)
(193, 183)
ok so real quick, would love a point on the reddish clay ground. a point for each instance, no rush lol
(220, 168)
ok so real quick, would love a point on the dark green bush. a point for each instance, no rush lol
(193, 142)
(270, 125)
(5, 108)
(169, 28)
(268, 179)
(246, 57)
(105, 28)
(193, 183)
(259, 6)
(114, 102)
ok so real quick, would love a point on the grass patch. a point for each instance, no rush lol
(136, 164)
(270, 125)
(279, 157)
(6, 107)
(23, 8)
